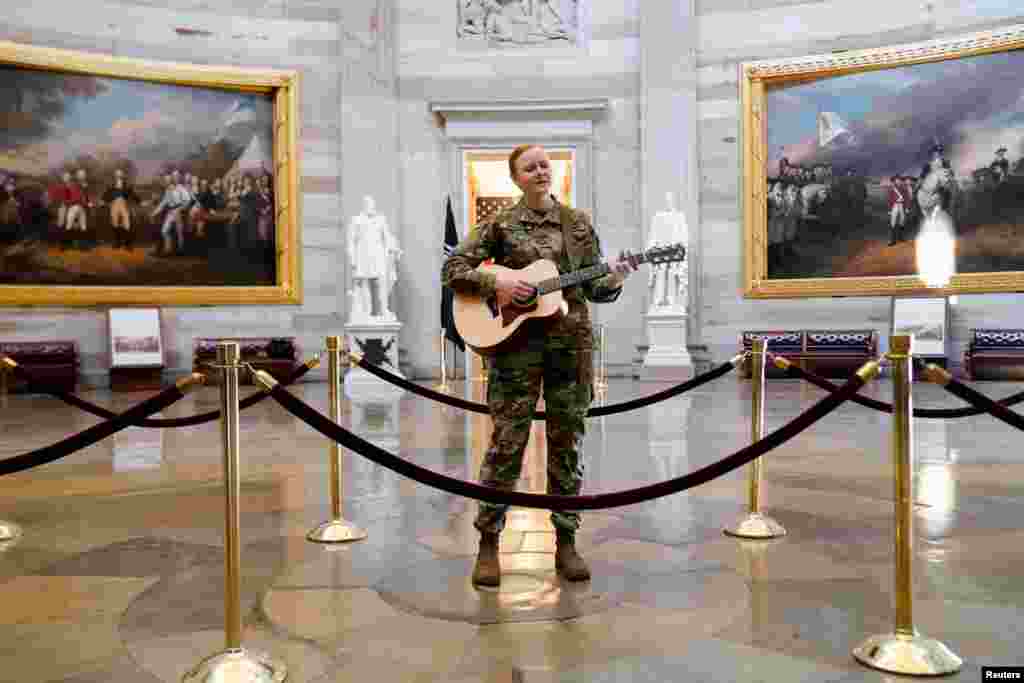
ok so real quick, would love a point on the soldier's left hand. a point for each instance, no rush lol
(625, 264)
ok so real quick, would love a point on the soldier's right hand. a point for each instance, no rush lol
(510, 288)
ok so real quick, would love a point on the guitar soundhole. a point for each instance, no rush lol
(492, 306)
(511, 313)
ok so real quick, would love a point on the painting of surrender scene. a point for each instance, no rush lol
(856, 162)
(114, 182)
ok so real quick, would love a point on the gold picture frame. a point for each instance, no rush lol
(276, 96)
(767, 173)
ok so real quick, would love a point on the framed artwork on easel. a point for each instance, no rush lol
(136, 348)
(928, 320)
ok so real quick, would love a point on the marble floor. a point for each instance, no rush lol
(119, 573)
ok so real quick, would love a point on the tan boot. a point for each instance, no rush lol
(487, 571)
(568, 562)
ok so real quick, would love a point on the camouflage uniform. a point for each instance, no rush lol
(557, 353)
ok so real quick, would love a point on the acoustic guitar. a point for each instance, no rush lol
(485, 326)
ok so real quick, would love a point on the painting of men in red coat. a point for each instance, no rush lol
(115, 182)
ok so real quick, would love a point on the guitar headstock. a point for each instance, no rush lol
(670, 253)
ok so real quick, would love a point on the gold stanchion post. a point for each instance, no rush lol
(337, 529)
(443, 386)
(234, 664)
(9, 531)
(905, 651)
(602, 373)
(755, 524)
(478, 366)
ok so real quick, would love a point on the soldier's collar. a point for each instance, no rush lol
(527, 215)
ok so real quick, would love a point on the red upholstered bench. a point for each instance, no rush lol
(788, 343)
(54, 362)
(276, 355)
(831, 353)
(995, 354)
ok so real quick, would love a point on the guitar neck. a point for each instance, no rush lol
(578, 276)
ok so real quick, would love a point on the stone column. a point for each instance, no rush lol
(668, 82)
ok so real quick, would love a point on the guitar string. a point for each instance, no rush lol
(593, 272)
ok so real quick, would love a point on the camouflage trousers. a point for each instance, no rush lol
(514, 385)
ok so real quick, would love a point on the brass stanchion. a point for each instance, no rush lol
(337, 529)
(4, 367)
(483, 371)
(755, 524)
(234, 664)
(9, 531)
(602, 373)
(905, 651)
(443, 386)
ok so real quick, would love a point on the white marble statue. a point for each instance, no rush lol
(668, 281)
(373, 254)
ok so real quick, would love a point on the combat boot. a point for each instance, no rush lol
(487, 571)
(568, 562)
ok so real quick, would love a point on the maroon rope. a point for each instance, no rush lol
(556, 502)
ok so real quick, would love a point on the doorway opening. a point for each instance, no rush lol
(488, 188)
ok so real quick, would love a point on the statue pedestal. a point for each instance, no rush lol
(667, 356)
(377, 340)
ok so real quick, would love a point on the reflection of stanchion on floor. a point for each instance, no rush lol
(754, 552)
(755, 524)
(905, 651)
(234, 664)
(444, 386)
(337, 529)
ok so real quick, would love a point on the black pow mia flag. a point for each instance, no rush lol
(451, 240)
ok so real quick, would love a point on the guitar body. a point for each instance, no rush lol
(486, 328)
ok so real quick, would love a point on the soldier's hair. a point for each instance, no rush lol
(514, 157)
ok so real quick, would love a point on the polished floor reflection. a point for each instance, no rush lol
(119, 573)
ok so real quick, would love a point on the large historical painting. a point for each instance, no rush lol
(125, 181)
(517, 23)
(847, 155)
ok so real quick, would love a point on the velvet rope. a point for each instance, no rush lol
(557, 502)
(985, 404)
(94, 434)
(156, 423)
(472, 406)
(793, 370)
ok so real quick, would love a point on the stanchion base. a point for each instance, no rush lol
(336, 531)
(756, 525)
(9, 531)
(237, 666)
(909, 655)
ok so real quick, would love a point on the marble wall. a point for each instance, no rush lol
(333, 47)
(370, 70)
(432, 68)
(732, 31)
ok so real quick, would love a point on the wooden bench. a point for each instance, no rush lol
(995, 354)
(276, 355)
(54, 362)
(830, 353)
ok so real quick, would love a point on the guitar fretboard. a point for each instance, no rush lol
(578, 276)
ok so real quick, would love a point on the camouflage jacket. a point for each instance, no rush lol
(518, 236)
